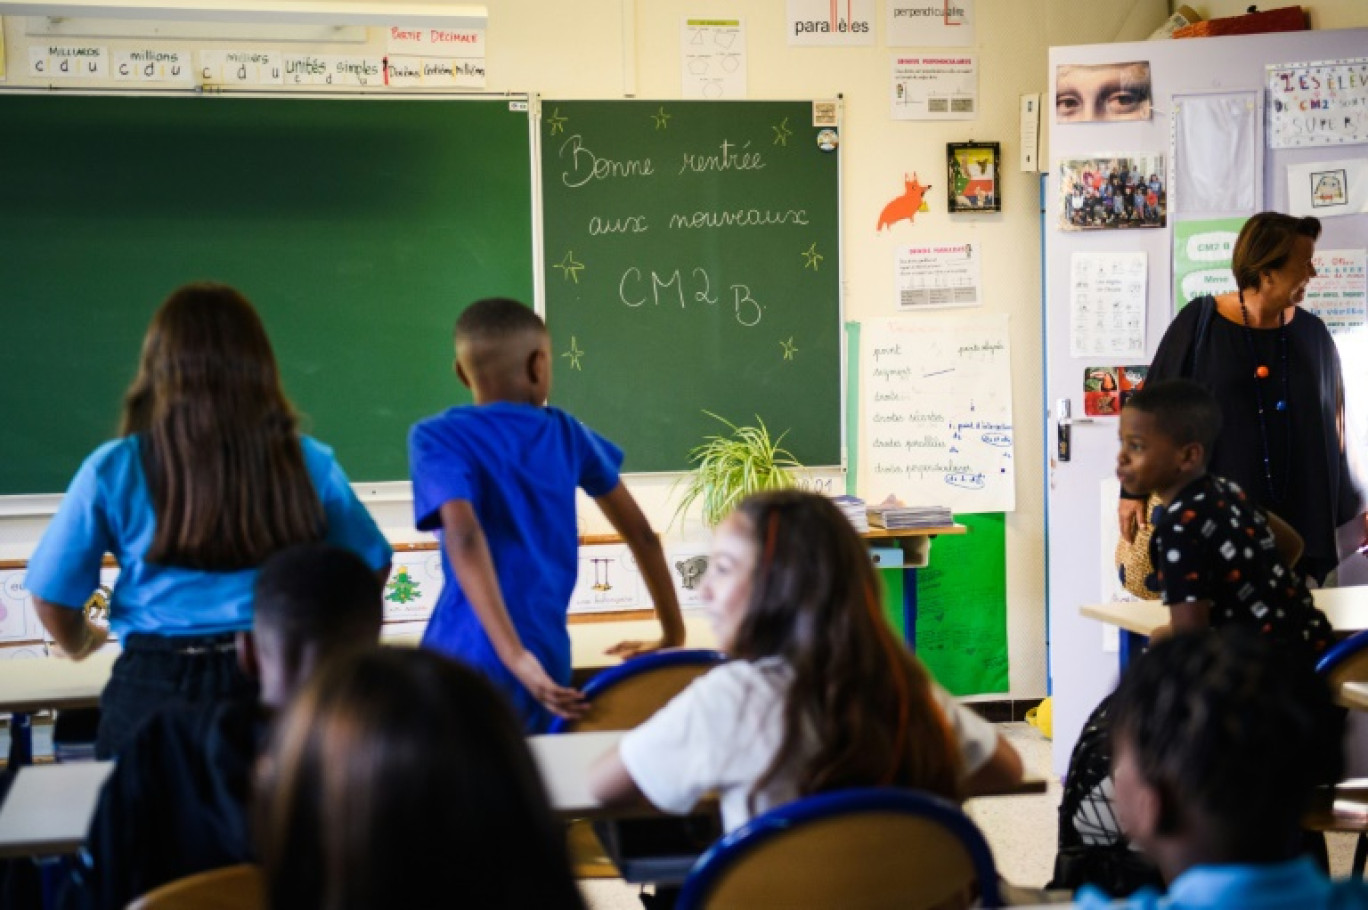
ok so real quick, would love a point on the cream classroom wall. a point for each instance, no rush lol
(579, 50)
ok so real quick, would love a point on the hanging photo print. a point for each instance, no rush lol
(1100, 92)
(1112, 190)
(973, 177)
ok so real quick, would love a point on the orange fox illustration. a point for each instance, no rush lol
(905, 206)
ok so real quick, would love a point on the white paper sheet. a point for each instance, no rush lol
(1324, 189)
(1339, 292)
(1216, 161)
(830, 23)
(148, 65)
(1107, 305)
(241, 67)
(713, 58)
(935, 87)
(936, 423)
(929, 23)
(68, 61)
(1319, 103)
(931, 276)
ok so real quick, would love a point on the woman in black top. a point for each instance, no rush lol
(1276, 373)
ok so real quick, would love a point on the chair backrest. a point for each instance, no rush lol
(856, 849)
(622, 697)
(238, 887)
(1346, 661)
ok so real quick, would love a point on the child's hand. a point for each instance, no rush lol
(1160, 633)
(561, 701)
(1131, 515)
(630, 649)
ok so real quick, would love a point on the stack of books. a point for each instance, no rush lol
(854, 508)
(893, 517)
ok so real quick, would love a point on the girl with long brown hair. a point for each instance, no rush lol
(209, 476)
(821, 694)
(401, 778)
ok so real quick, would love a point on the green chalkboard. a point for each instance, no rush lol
(358, 226)
(692, 262)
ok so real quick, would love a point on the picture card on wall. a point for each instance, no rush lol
(1113, 190)
(1086, 93)
(1324, 189)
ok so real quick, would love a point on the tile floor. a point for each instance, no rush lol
(1020, 830)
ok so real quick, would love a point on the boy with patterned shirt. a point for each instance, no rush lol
(1213, 550)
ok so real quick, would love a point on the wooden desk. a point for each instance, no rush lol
(48, 808)
(564, 760)
(1353, 695)
(1346, 608)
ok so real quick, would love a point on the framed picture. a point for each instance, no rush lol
(973, 177)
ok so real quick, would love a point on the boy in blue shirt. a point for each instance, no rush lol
(1219, 739)
(498, 479)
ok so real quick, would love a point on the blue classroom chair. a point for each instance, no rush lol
(1347, 661)
(622, 697)
(854, 849)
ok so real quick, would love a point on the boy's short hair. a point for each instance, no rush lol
(1183, 410)
(496, 319)
(1231, 726)
(317, 593)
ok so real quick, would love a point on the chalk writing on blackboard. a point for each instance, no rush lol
(690, 222)
(938, 413)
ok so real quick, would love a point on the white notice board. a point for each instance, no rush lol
(937, 413)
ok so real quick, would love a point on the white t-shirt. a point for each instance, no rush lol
(720, 734)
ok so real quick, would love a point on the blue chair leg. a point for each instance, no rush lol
(52, 873)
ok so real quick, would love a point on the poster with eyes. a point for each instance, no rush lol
(1094, 93)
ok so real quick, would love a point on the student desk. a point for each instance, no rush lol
(27, 686)
(1353, 695)
(48, 808)
(1346, 608)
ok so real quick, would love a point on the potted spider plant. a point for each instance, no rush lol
(729, 467)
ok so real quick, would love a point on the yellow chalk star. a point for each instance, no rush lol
(812, 256)
(574, 354)
(789, 348)
(662, 119)
(570, 269)
(782, 133)
(557, 122)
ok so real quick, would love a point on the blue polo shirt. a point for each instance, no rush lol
(108, 509)
(1280, 886)
(518, 466)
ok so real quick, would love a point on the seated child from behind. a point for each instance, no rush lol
(176, 801)
(1219, 740)
(1213, 549)
(499, 478)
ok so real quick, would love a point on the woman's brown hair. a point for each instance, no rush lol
(857, 693)
(400, 778)
(217, 437)
(1264, 244)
